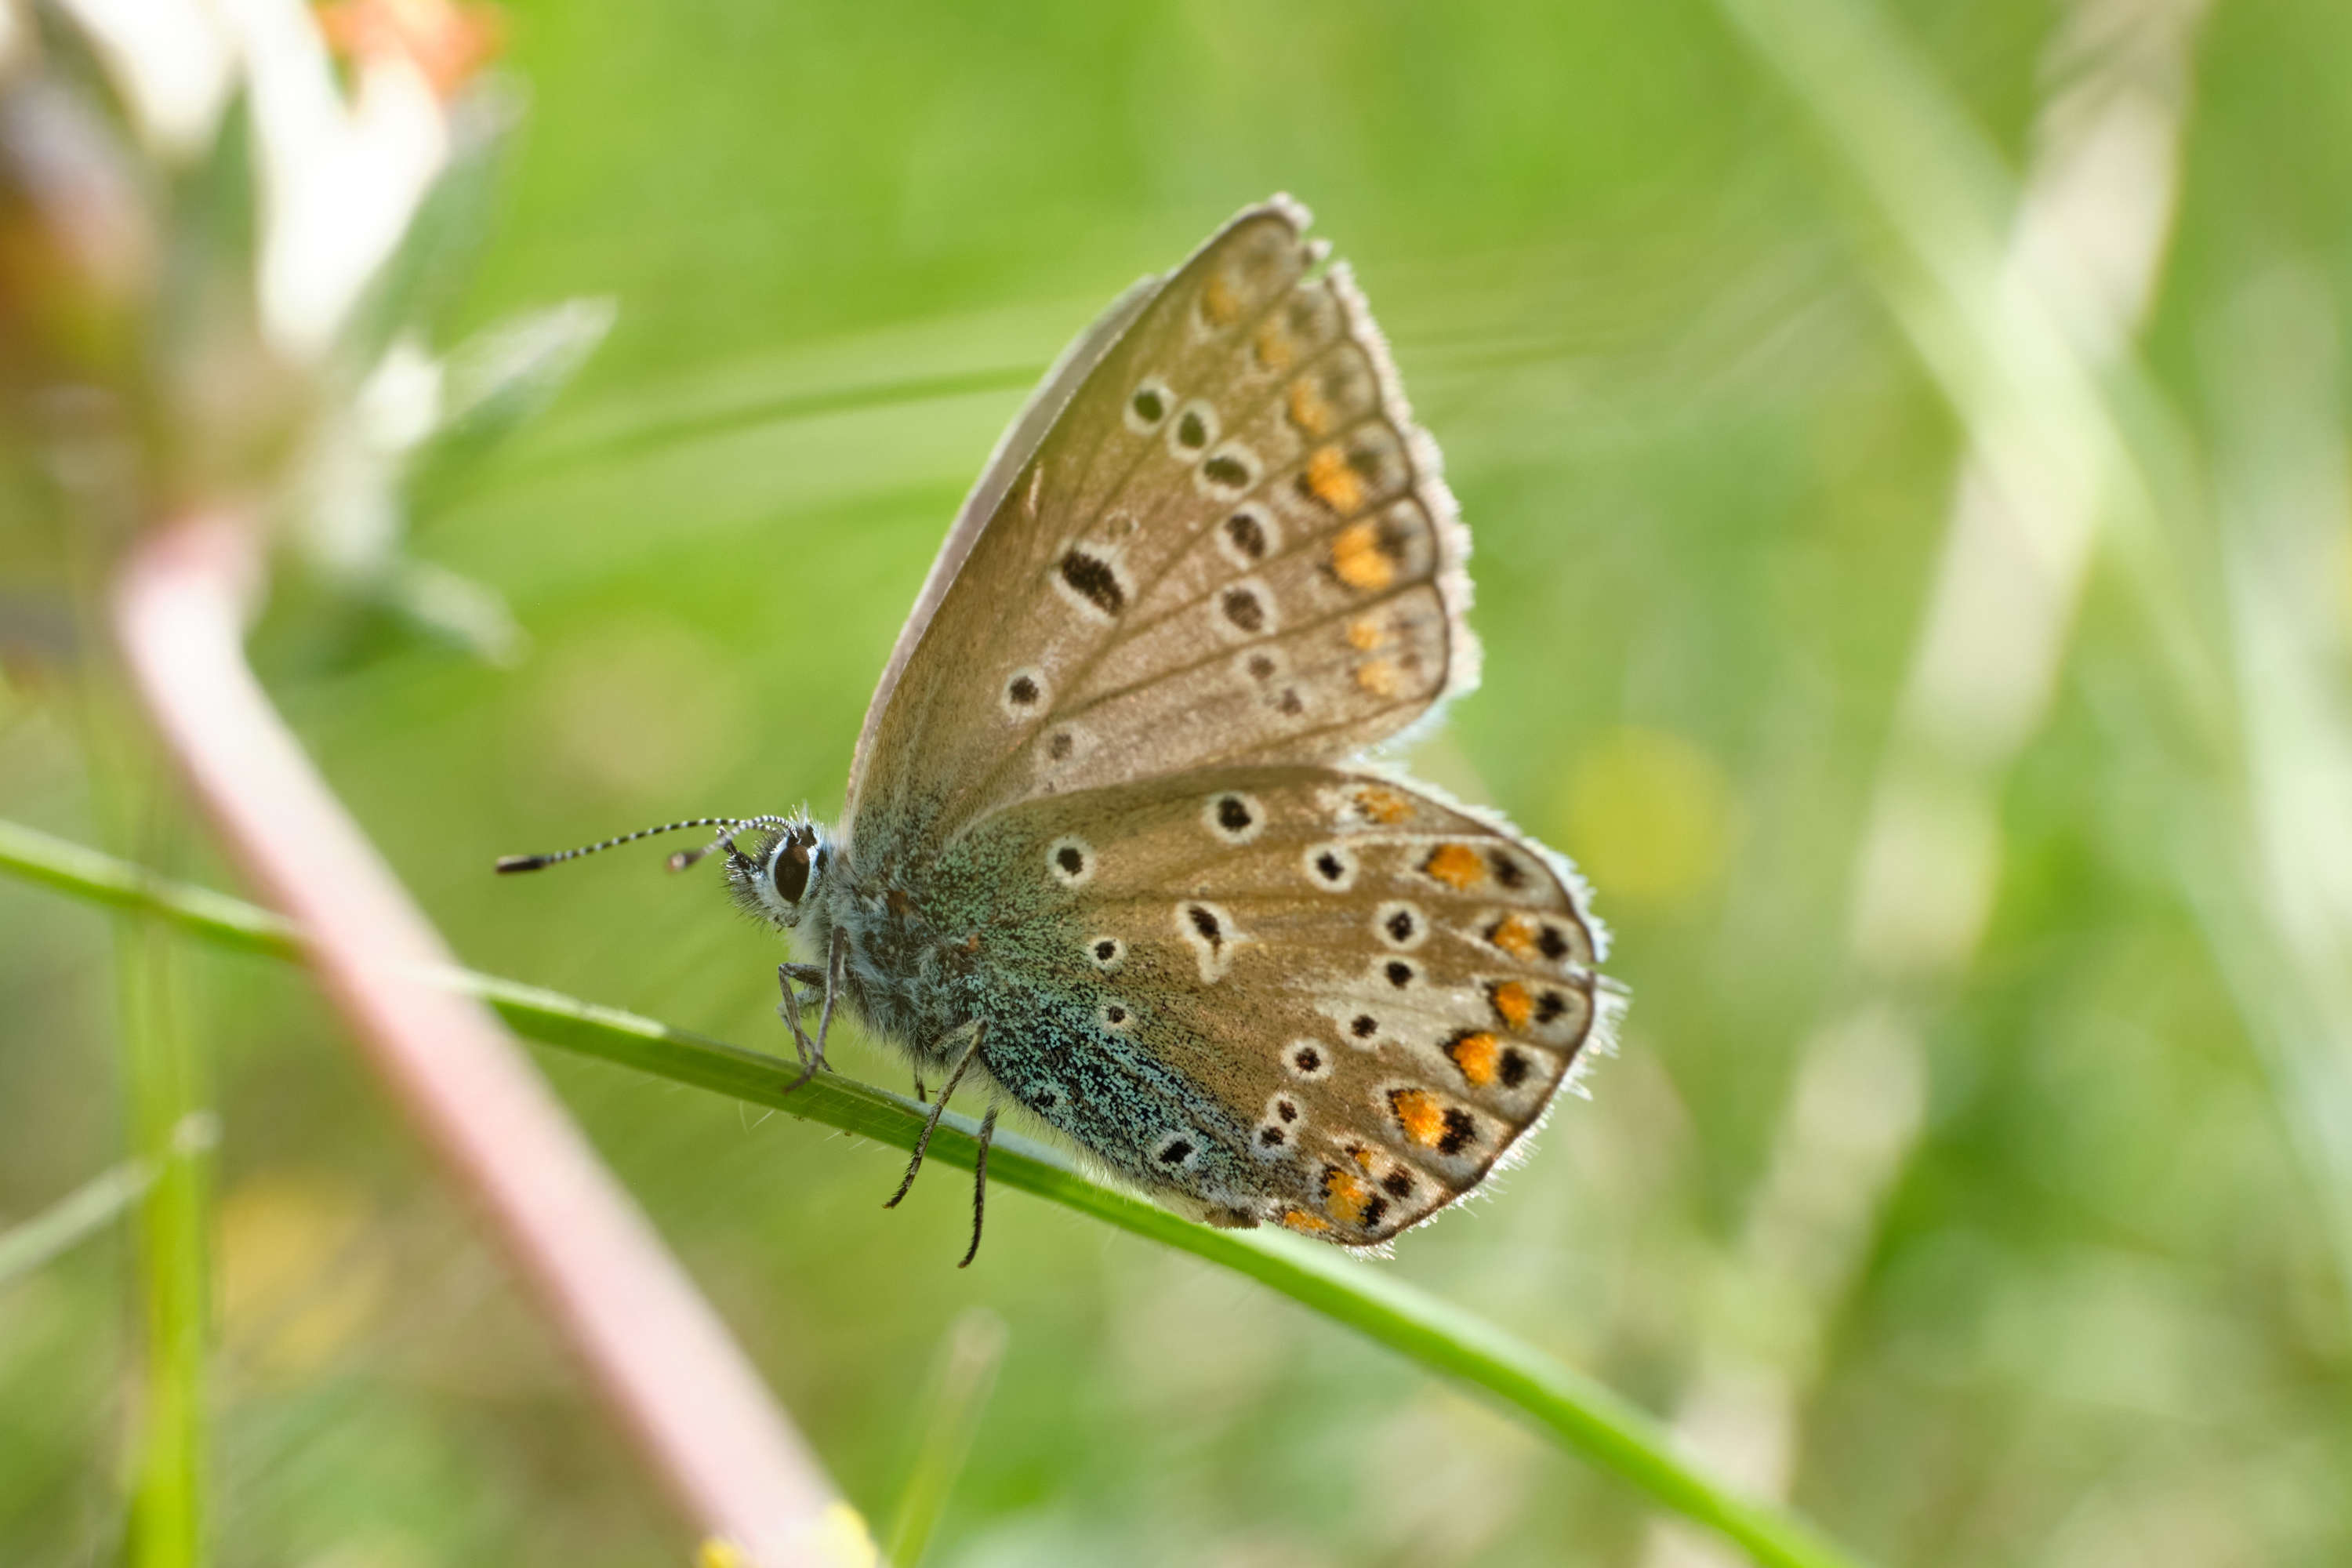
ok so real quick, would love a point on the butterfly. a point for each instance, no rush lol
(1109, 846)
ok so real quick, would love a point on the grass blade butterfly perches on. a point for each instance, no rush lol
(1577, 1412)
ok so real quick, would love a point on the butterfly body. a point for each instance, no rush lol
(1108, 840)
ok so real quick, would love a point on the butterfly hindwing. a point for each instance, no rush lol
(1284, 995)
(1231, 546)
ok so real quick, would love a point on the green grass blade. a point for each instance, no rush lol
(949, 1419)
(34, 1243)
(1580, 1414)
(165, 1084)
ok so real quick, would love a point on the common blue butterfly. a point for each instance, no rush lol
(1107, 848)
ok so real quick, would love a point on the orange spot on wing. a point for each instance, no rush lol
(1456, 865)
(1357, 559)
(1418, 1112)
(1378, 677)
(1384, 806)
(1274, 348)
(1308, 411)
(1518, 935)
(1513, 1003)
(1478, 1055)
(1345, 1195)
(1336, 485)
(1219, 303)
(1364, 634)
(1306, 1223)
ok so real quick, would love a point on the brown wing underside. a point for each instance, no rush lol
(1232, 545)
(1385, 991)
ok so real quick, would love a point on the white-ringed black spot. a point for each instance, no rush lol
(1363, 1025)
(1091, 583)
(1243, 611)
(1212, 934)
(1106, 953)
(1330, 867)
(1149, 404)
(1398, 973)
(1400, 925)
(1060, 744)
(1233, 817)
(1228, 471)
(1246, 537)
(1026, 693)
(1507, 870)
(1308, 1059)
(1190, 431)
(1175, 1149)
(1114, 1015)
(1277, 1130)
(1514, 1066)
(1070, 860)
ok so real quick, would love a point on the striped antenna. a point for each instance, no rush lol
(733, 824)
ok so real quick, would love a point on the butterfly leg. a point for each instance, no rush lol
(919, 1089)
(833, 962)
(931, 1122)
(980, 1185)
(788, 1010)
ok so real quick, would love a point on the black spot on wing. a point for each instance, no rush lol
(1091, 577)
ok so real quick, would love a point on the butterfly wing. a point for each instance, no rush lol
(1228, 545)
(1014, 449)
(1284, 995)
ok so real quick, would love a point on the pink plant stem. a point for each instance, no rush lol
(660, 1355)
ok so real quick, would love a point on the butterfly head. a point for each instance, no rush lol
(775, 873)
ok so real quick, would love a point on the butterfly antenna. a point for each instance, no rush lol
(732, 824)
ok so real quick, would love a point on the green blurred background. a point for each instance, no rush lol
(2008, 1248)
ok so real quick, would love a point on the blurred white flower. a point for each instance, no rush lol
(340, 180)
(277, 358)
(173, 60)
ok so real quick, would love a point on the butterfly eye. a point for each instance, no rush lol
(790, 870)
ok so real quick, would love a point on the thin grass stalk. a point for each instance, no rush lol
(33, 1242)
(946, 1423)
(163, 1081)
(656, 1351)
(1577, 1412)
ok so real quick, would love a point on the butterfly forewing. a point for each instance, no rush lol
(1289, 994)
(1231, 546)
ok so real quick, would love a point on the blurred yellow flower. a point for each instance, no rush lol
(299, 1277)
(1649, 816)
